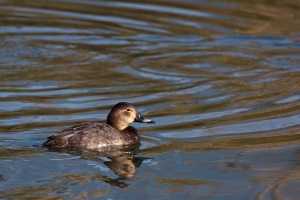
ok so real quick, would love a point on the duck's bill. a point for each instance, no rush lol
(141, 119)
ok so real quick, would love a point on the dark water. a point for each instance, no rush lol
(220, 78)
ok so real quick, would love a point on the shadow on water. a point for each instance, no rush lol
(121, 160)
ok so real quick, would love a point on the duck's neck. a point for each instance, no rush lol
(119, 126)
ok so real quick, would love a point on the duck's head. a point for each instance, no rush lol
(123, 114)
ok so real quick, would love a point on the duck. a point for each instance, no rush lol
(95, 135)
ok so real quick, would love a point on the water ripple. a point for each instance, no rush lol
(213, 75)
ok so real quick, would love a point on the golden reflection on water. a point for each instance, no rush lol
(38, 192)
(229, 143)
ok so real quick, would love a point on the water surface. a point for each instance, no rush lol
(220, 78)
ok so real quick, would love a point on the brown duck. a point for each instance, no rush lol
(95, 135)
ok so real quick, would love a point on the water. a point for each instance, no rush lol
(220, 78)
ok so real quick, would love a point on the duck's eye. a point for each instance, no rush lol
(128, 109)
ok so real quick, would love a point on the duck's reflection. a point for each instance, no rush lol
(120, 160)
(123, 166)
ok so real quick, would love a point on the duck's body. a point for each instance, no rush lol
(95, 135)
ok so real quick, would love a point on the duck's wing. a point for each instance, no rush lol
(61, 139)
(88, 135)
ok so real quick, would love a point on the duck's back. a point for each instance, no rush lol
(91, 135)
